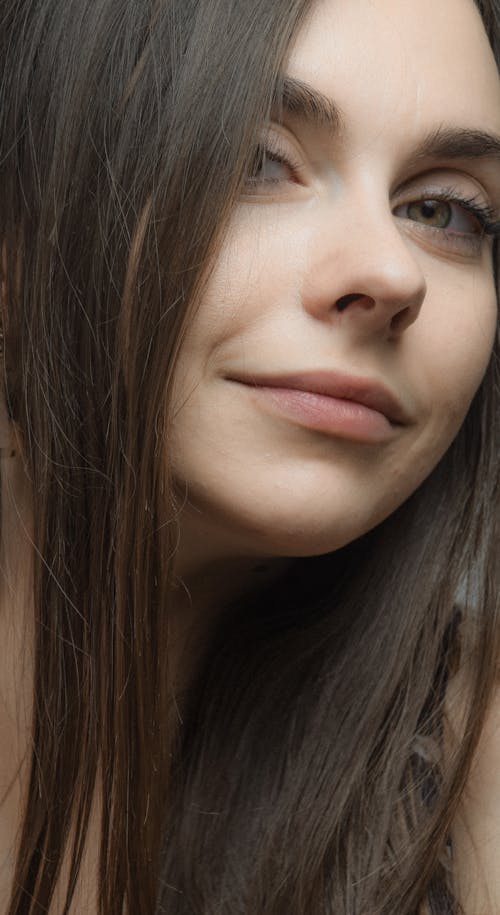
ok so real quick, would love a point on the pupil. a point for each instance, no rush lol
(434, 212)
(429, 209)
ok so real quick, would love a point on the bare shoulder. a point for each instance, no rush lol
(476, 829)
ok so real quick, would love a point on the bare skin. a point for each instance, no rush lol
(345, 220)
(476, 831)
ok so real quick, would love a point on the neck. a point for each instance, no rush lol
(200, 595)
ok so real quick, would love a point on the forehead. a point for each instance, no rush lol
(422, 63)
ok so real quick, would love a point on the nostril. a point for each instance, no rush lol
(346, 300)
(402, 320)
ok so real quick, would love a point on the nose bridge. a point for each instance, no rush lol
(363, 259)
(386, 260)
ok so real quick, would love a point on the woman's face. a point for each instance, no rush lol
(351, 313)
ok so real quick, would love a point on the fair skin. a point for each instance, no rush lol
(266, 480)
(476, 832)
(333, 225)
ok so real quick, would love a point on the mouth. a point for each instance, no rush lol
(359, 409)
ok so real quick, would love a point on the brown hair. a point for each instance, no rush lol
(301, 782)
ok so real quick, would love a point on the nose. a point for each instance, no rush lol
(364, 275)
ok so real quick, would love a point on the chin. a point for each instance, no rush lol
(284, 520)
(308, 541)
(294, 535)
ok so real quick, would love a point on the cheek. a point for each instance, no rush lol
(257, 274)
(458, 338)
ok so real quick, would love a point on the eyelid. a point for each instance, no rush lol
(442, 180)
(276, 144)
(483, 212)
(277, 133)
(273, 140)
(449, 240)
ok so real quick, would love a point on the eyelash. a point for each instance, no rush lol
(485, 215)
(272, 154)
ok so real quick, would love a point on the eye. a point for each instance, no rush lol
(272, 165)
(443, 214)
(452, 221)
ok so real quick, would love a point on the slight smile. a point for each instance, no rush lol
(339, 405)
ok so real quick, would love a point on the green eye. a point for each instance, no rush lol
(454, 216)
(436, 213)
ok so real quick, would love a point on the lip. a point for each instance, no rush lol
(353, 407)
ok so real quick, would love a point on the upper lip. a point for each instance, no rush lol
(365, 391)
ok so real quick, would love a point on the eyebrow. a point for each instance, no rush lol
(293, 97)
(458, 143)
(299, 99)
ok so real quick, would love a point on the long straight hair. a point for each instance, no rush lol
(309, 775)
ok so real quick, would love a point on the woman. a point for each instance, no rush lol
(250, 452)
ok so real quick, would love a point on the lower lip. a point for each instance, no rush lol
(331, 415)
